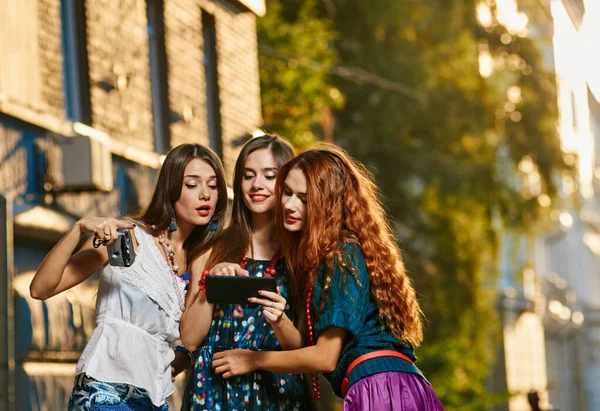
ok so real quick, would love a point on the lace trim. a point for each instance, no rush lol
(151, 274)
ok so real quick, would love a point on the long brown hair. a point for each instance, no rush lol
(237, 239)
(343, 206)
(168, 190)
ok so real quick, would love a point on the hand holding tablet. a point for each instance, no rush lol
(237, 290)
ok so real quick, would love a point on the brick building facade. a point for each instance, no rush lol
(131, 79)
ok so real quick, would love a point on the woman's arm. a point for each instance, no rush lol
(197, 317)
(195, 321)
(274, 311)
(192, 337)
(319, 358)
(61, 269)
(288, 335)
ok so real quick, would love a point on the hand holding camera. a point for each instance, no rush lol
(114, 234)
(104, 229)
(120, 253)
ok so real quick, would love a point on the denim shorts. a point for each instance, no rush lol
(93, 395)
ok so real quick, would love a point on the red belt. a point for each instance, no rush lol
(362, 358)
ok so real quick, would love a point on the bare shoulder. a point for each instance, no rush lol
(198, 266)
(142, 229)
(196, 269)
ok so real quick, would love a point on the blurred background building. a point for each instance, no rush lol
(92, 94)
(550, 280)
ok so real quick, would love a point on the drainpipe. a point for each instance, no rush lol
(7, 323)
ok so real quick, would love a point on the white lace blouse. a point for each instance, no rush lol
(137, 321)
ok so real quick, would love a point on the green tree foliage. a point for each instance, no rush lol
(443, 143)
(295, 56)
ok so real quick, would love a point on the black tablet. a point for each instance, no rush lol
(236, 290)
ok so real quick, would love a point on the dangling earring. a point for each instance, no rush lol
(173, 225)
(213, 225)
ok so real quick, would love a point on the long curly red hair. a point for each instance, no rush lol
(343, 206)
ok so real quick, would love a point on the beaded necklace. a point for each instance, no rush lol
(171, 262)
(270, 271)
(311, 340)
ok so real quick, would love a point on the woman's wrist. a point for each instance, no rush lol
(289, 336)
(182, 349)
(282, 323)
(202, 282)
(78, 228)
(258, 360)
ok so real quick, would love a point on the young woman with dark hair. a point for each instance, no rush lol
(126, 365)
(249, 246)
(362, 314)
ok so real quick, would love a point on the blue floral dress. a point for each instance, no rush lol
(236, 326)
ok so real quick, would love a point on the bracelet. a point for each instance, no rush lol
(97, 242)
(202, 282)
(181, 348)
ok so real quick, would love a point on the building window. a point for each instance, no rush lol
(213, 105)
(158, 75)
(76, 69)
(21, 73)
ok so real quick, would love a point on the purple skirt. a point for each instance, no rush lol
(395, 391)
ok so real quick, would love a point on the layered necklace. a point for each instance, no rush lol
(171, 261)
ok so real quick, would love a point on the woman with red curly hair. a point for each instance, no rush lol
(362, 314)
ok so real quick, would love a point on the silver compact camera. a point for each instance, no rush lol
(120, 253)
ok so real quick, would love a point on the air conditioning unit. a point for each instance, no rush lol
(81, 163)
